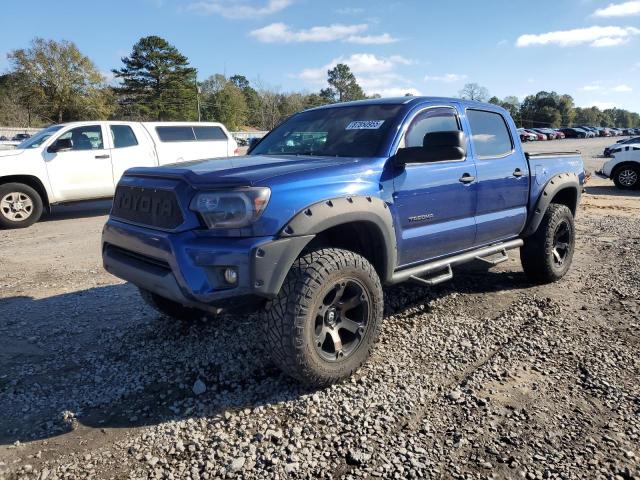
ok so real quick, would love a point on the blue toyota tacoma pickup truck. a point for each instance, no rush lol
(332, 205)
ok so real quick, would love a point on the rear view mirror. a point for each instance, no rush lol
(436, 147)
(253, 141)
(61, 145)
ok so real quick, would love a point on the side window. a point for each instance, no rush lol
(489, 134)
(85, 138)
(204, 134)
(123, 136)
(175, 134)
(439, 119)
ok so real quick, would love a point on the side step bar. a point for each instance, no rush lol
(414, 273)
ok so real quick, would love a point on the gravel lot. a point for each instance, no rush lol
(486, 376)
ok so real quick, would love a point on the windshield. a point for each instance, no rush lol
(39, 138)
(352, 131)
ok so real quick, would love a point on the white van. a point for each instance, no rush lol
(85, 160)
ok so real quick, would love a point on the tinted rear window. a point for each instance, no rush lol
(123, 136)
(209, 133)
(489, 134)
(175, 134)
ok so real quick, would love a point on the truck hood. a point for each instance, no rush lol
(246, 170)
(10, 152)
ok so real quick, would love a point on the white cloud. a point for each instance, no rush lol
(447, 78)
(594, 36)
(592, 87)
(374, 74)
(600, 105)
(598, 87)
(349, 11)
(618, 10)
(372, 39)
(238, 8)
(282, 33)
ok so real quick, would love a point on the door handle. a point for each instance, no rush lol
(466, 178)
(102, 156)
(517, 173)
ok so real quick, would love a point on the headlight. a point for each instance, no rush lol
(231, 208)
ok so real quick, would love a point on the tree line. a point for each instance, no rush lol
(53, 82)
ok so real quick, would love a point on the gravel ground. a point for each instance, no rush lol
(486, 376)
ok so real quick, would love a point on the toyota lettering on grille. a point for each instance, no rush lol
(145, 203)
(152, 207)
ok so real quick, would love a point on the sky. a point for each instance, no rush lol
(586, 48)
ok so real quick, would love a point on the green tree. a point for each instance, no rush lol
(473, 91)
(252, 99)
(58, 82)
(343, 83)
(567, 110)
(224, 102)
(541, 110)
(157, 82)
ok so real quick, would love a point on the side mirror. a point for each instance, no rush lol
(60, 145)
(253, 142)
(436, 147)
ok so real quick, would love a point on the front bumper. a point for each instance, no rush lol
(189, 268)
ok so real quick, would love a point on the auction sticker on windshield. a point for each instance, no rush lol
(365, 125)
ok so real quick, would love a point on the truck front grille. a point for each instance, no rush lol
(150, 207)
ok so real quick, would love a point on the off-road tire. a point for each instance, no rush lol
(539, 261)
(290, 320)
(627, 171)
(171, 309)
(35, 200)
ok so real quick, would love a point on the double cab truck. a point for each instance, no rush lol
(84, 160)
(332, 205)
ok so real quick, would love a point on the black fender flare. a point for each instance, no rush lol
(556, 184)
(272, 261)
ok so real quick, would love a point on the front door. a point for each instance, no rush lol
(84, 171)
(434, 203)
(503, 178)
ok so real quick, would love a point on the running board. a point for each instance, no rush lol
(495, 261)
(443, 277)
(414, 273)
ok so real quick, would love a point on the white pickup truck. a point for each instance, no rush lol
(85, 160)
(624, 167)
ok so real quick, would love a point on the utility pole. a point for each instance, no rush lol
(198, 91)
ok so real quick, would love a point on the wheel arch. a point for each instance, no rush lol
(362, 224)
(624, 163)
(32, 181)
(561, 189)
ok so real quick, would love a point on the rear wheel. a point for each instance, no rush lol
(546, 256)
(627, 177)
(323, 324)
(170, 308)
(20, 205)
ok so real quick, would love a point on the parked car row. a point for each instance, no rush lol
(535, 134)
(20, 137)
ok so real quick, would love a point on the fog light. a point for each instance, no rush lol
(230, 276)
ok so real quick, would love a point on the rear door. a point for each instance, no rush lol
(503, 177)
(130, 147)
(434, 203)
(83, 172)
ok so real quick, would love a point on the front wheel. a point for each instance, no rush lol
(20, 205)
(546, 255)
(324, 322)
(627, 177)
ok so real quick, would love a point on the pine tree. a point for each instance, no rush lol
(157, 82)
